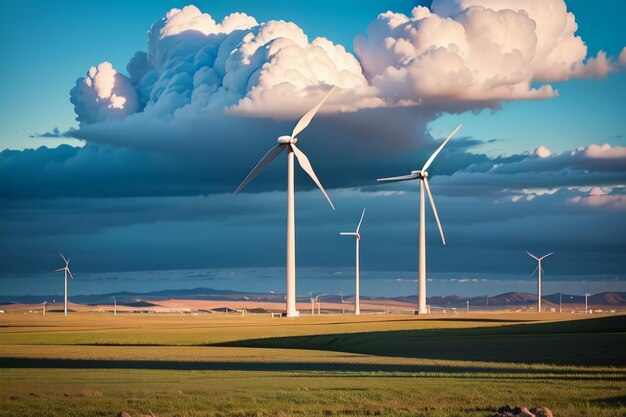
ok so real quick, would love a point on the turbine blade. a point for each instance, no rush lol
(360, 221)
(347, 234)
(434, 155)
(531, 255)
(545, 256)
(432, 204)
(306, 119)
(65, 260)
(306, 166)
(70, 272)
(534, 270)
(400, 178)
(59, 270)
(267, 158)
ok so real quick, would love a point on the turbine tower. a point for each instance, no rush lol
(288, 144)
(357, 306)
(67, 272)
(422, 176)
(539, 270)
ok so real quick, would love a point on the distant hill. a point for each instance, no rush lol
(510, 299)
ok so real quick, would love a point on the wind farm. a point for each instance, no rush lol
(135, 154)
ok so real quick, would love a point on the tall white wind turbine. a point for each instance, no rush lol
(288, 144)
(357, 235)
(67, 272)
(539, 270)
(422, 176)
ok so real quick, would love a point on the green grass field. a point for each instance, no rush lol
(99, 365)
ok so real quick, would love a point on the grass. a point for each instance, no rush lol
(96, 365)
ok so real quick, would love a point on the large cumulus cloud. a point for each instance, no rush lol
(203, 86)
(194, 63)
(476, 51)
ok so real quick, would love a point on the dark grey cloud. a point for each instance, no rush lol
(225, 231)
(55, 133)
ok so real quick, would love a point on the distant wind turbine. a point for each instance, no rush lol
(357, 306)
(67, 272)
(539, 270)
(422, 176)
(288, 144)
(114, 306)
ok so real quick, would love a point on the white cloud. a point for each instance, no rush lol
(481, 51)
(104, 94)
(605, 151)
(599, 196)
(542, 152)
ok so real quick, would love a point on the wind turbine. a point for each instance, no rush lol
(357, 306)
(288, 144)
(67, 272)
(114, 307)
(422, 176)
(539, 270)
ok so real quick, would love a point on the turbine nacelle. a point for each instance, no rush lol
(284, 140)
(419, 174)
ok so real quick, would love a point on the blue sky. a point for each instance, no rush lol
(146, 202)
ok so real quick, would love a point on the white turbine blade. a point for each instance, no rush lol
(534, 270)
(545, 256)
(432, 204)
(360, 221)
(306, 119)
(400, 178)
(267, 158)
(70, 272)
(347, 234)
(531, 255)
(65, 260)
(434, 155)
(306, 166)
(59, 270)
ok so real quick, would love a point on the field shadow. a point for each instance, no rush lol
(587, 342)
(616, 401)
(368, 370)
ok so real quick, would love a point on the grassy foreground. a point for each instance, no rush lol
(96, 365)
